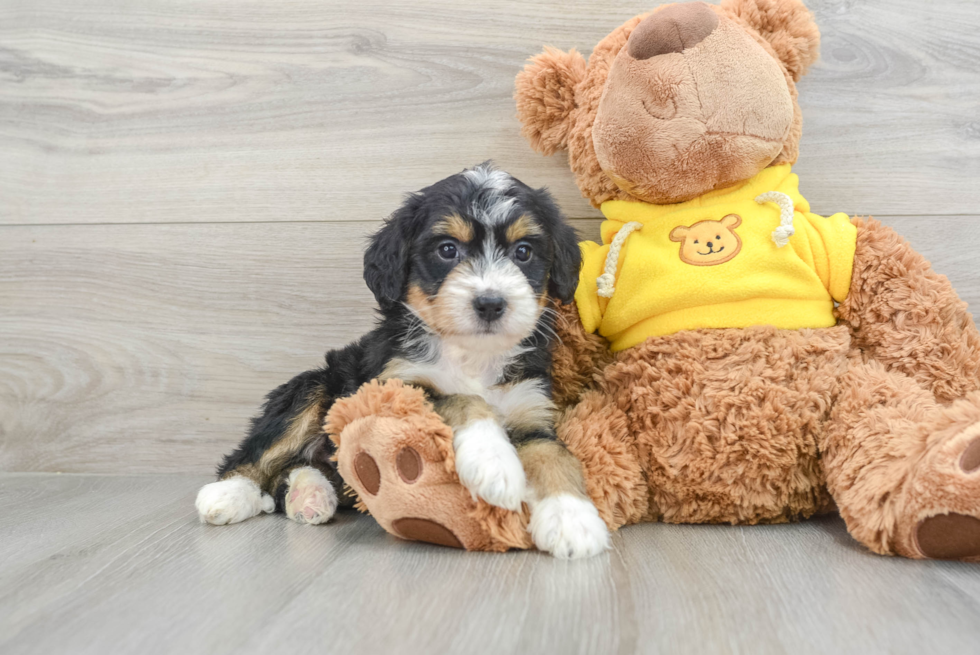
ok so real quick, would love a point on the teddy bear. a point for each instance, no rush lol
(730, 357)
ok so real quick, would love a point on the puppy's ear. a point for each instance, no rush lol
(567, 257)
(386, 261)
(566, 265)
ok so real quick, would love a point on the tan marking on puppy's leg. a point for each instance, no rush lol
(303, 428)
(456, 227)
(524, 226)
(458, 410)
(551, 469)
(249, 471)
(564, 522)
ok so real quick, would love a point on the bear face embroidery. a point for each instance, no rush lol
(708, 243)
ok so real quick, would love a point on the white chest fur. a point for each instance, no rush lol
(470, 371)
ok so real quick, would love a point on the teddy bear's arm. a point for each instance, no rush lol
(908, 317)
(577, 357)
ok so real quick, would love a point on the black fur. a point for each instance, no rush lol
(400, 253)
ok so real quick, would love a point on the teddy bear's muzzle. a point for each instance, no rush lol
(674, 28)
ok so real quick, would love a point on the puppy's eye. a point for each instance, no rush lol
(695, 241)
(447, 250)
(718, 236)
(522, 253)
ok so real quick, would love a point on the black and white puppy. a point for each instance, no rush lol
(464, 273)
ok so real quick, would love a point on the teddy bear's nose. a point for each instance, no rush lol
(672, 29)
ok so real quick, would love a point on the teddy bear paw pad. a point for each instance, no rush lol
(568, 527)
(310, 498)
(427, 531)
(970, 460)
(949, 536)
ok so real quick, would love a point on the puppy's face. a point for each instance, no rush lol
(482, 252)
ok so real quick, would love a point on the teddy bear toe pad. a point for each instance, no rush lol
(367, 473)
(409, 464)
(970, 462)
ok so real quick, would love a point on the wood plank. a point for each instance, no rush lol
(129, 345)
(146, 348)
(111, 564)
(119, 112)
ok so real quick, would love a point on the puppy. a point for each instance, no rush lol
(464, 274)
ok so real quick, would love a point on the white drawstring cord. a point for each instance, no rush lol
(785, 230)
(607, 281)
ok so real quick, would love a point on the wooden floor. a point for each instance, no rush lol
(185, 189)
(119, 564)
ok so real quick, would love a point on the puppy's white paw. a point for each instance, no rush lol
(488, 465)
(568, 527)
(231, 501)
(310, 497)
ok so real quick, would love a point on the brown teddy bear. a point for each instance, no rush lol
(733, 357)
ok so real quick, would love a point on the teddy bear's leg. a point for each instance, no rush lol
(903, 468)
(908, 317)
(396, 453)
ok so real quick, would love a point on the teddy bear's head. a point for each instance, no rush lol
(674, 103)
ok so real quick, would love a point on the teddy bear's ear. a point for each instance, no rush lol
(545, 94)
(787, 25)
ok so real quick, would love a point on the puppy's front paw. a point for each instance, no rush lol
(488, 465)
(568, 527)
(310, 497)
(231, 501)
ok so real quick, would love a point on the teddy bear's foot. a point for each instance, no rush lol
(398, 456)
(950, 528)
(568, 527)
(310, 497)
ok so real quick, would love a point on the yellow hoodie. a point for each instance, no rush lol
(715, 262)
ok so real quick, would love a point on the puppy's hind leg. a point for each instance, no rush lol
(564, 522)
(309, 489)
(232, 500)
(291, 419)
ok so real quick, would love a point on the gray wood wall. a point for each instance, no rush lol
(186, 186)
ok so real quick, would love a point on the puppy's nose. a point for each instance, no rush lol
(672, 29)
(710, 245)
(490, 308)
